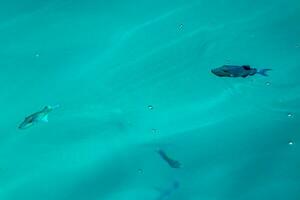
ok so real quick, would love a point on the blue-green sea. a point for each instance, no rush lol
(133, 79)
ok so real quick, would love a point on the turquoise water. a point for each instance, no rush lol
(132, 77)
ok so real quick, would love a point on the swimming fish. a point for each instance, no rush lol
(238, 71)
(40, 116)
(172, 163)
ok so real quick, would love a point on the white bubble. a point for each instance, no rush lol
(291, 143)
(290, 115)
(150, 107)
(180, 26)
(37, 55)
(268, 83)
(140, 171)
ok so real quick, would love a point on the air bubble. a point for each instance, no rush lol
(290, 115)
(37, 55)
(150, 107)
(140, 171)
(268, 83)
(180, 26)
(291, 143)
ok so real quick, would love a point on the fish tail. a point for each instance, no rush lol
(263, 72)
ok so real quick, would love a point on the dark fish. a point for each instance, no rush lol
(238, 71)
(40, 116)
(172, 163)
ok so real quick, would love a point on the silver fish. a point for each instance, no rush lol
(40, 116)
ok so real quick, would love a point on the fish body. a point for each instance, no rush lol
(238, 71)
(172, 163)
(40, 116)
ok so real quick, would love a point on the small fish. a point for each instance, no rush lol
(40, 116)
(238, 71)
(172, 163)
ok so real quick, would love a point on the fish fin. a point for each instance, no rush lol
(246, 67)
(45, 119)
(263, 72)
